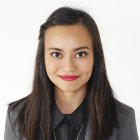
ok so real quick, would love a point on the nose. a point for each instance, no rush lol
(68, 65)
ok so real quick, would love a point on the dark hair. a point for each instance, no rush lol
(34, 118)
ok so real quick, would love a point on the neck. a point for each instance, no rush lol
(67, 102)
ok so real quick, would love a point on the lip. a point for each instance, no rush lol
(68, 77)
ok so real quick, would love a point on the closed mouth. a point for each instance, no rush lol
(68, 77)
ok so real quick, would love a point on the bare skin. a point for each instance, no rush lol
(68, 102)
(69, 51)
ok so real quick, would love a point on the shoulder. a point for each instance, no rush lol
(126, 121)
(123, 109)
(11, 128)
(124, 112)
(14, 108)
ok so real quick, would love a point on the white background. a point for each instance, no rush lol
(119, 25)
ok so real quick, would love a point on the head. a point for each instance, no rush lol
(65, 35)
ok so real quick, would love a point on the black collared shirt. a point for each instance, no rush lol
(69, 126)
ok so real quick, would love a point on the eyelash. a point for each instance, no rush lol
(85, 53)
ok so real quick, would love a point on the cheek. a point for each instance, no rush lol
(51, 66)
(86, 66)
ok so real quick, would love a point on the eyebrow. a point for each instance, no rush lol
(76, 49)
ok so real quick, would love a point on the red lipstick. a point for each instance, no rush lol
(69, 77)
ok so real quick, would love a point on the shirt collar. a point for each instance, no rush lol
(76, 118)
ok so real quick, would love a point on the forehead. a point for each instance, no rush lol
(67, 36)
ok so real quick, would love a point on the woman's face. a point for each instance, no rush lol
(69, 56)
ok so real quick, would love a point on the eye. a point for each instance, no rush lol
(56, 54)
(81, 54)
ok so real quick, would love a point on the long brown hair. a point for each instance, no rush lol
(34, 118)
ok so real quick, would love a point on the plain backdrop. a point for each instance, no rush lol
(119, 25)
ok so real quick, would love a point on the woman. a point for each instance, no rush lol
(71, 97)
